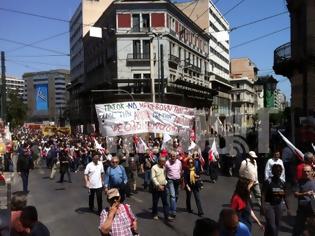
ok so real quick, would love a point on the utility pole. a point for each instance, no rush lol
(162, 74)
(3, 88)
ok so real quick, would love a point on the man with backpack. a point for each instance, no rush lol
(248, 170)
(116, 177)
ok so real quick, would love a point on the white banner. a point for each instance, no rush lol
(142, 117)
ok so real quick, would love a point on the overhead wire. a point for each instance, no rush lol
(232, 8)
(36, 62)
(34, 15)
(32, 46)
(260, 37)
(39, 41)
(192, 11)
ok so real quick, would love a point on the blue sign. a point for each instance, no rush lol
(41, 100)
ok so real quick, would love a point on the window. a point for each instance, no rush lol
(179, 53)
(237, 85)
(238, 97)
(146, 21)
(146, 48)
(136, 49)
(135, 22)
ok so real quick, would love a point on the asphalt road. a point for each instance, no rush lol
(64, 207)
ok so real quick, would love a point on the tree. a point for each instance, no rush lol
(16, 110)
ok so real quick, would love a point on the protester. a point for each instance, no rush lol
(145, 166)
(308, 160)
(93, 176)
(230, 224)
(305, 194)
(192, 185)
(274, 193)
(24, 165)
(249, 170)
(18, 202)
(118, 219)
(288, 158)
(206, 227)
(116, 177)
(173, 169)
(274, 160)
(29, 219)
(159, 182)
(240, 202)
(132, 164)
(64, 166)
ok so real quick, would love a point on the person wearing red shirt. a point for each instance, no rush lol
(308, 160)
(240, 202)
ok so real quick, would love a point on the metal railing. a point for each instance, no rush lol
(174, 59)
(138, 56)
(282, 53)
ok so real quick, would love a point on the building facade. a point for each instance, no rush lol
(85, 16)
(156, 53)
(295, 60)
(280, 100)
(214, 23)
(244, 101)
(45, 94)
(246, 98)
(14, 85)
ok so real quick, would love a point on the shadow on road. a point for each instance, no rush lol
(60, 189)
(145, 214)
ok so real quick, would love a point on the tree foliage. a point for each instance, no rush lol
(16, 110)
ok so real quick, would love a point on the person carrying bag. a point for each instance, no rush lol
(118, 219)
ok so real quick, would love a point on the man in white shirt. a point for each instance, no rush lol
(274, 160)
(93, 176)
(248, 170)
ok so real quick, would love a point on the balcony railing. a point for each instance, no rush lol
(138, 59)
(174, 59)
(192, 67)
(282, 53)
(282, 63)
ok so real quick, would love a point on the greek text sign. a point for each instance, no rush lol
(141, 117)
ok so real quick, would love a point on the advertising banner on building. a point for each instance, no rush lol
(143, 117)
(51, 130)
(41, 97)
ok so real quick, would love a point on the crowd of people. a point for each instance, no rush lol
(165, 170)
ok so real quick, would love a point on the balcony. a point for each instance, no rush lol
(192, 67)
(282, 62)
(173, 60)
(138, 59)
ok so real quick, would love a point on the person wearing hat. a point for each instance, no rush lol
(158, 180)
(118, 219)
(248, 170)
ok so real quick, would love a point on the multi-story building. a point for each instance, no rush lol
(245, 97)
(156, 53)
(244, 67)
(295, 60)
(85, 16)
(14, 85)
(214, 23)
(45, 94)
(280, 100)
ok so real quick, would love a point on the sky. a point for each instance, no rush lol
(29, 29)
